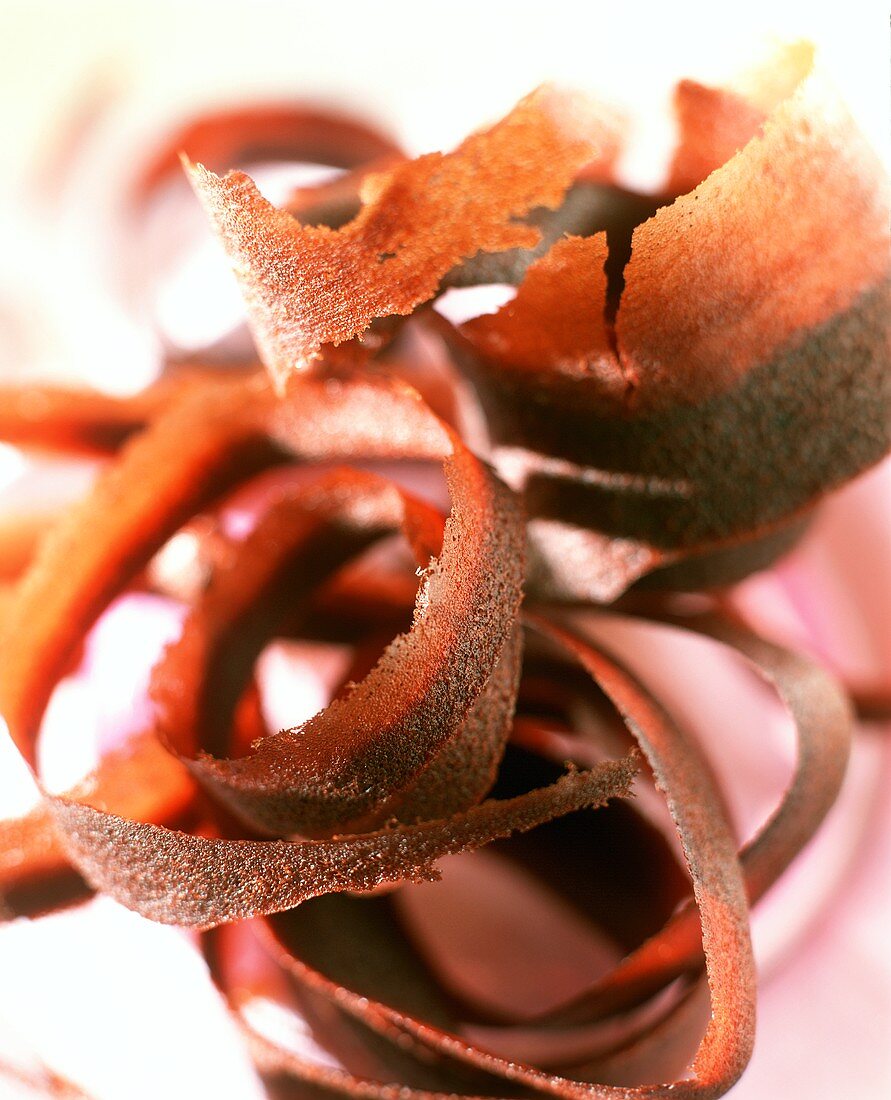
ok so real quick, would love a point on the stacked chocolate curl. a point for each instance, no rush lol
(676, 383)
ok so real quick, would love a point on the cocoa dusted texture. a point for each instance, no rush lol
(678, 380)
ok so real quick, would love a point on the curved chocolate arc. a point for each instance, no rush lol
(200, 882)
(307, 286)
(227, 138)
(698, 812)
(82, 421)
(464, 769)
(304, 537)
(344, 763)
(823, 724)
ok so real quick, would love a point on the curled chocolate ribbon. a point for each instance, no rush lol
(667, 399)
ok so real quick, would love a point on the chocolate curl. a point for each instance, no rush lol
(257, 585)
(683, 775)
(348, 761)
(823, 725)
(444, 1075)
(656, 413)
(301, 540)
(200, 882)
(207, 444)
(469, 601)
(309, 286)
(698, 812)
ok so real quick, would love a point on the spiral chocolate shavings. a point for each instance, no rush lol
(397, 992)
(441, 680)
(282, 559)
(387, 988)
(674, 385)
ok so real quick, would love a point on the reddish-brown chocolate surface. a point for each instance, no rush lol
(309, 286)
(268, 132)
(671, 390)
(723, 359)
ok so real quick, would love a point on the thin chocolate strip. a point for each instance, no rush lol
(82, 421)
(303, 537)
(200, 882)
(823, 724)
(267, 132)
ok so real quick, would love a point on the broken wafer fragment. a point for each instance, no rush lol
(308, 286)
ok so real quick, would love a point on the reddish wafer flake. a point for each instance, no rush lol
(308, 286)
(644, 392)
